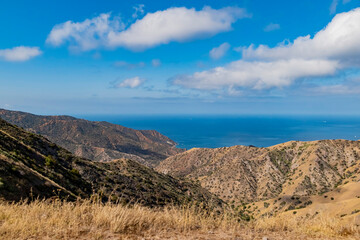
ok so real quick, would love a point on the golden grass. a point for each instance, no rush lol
(321, 226)
(89, 220)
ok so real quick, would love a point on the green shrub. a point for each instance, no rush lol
(50, 161)
(75, 172)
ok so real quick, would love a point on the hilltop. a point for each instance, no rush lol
(288, 176)
(98, 141)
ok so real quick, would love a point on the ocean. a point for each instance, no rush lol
(220, 131)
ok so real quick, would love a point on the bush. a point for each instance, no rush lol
(75, 172)
(50, 161)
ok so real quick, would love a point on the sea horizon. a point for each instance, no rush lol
(213, 131)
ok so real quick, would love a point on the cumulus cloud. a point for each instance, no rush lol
(272, 27)
(257, 75)
(339, 40)
(161, 27)
(175, 24)
(130, 83)
(334, 48)
(19, 54)
(87, 35)
(156, 62)
(220, 51)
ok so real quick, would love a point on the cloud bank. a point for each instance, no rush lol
(19, 54)
(334, 48)
(257, 75)
(175, 24)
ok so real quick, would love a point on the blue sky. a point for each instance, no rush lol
(180, 57)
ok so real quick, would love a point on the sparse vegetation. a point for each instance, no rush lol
(125, 199)
(87, 219)
(50, 161)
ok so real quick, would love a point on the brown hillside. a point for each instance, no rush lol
(99, 141)
(247, 174)
(31, 167)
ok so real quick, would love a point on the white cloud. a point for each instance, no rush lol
(124, 64)
(156, 62)
(175, 24)
(130, 83)
(333, 6)
(19, 54)
(220, 51)
(161, 27)
(338, 40)
(257, 75)
(338, 89)
(272, 27)
(138, 10)
(348, 86)
(87, 35)
(334, 48)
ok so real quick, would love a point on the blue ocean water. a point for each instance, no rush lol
(260, 131)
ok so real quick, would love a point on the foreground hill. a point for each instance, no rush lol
(292, 175)
(99, 141)
(31, 166)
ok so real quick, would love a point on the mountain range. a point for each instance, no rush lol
(33, 167)
(98, 141)
(298, 177)
(288, 176)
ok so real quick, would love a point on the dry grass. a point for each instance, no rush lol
(89, 220)
(320, 226)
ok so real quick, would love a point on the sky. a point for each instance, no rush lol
(180, 57)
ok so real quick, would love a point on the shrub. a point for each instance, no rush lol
(50, 161)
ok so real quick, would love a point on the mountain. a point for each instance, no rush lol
(31, 166)
(98, 141)
(291, 174)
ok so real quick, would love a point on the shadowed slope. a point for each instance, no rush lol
(99, 141)
(31, 166)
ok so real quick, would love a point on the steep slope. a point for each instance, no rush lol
(342, 202)
(31, 166)
(247, 174)
(99, 141)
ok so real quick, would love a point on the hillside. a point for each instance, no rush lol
(31, 167)
(99, 141)
(292, 175)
